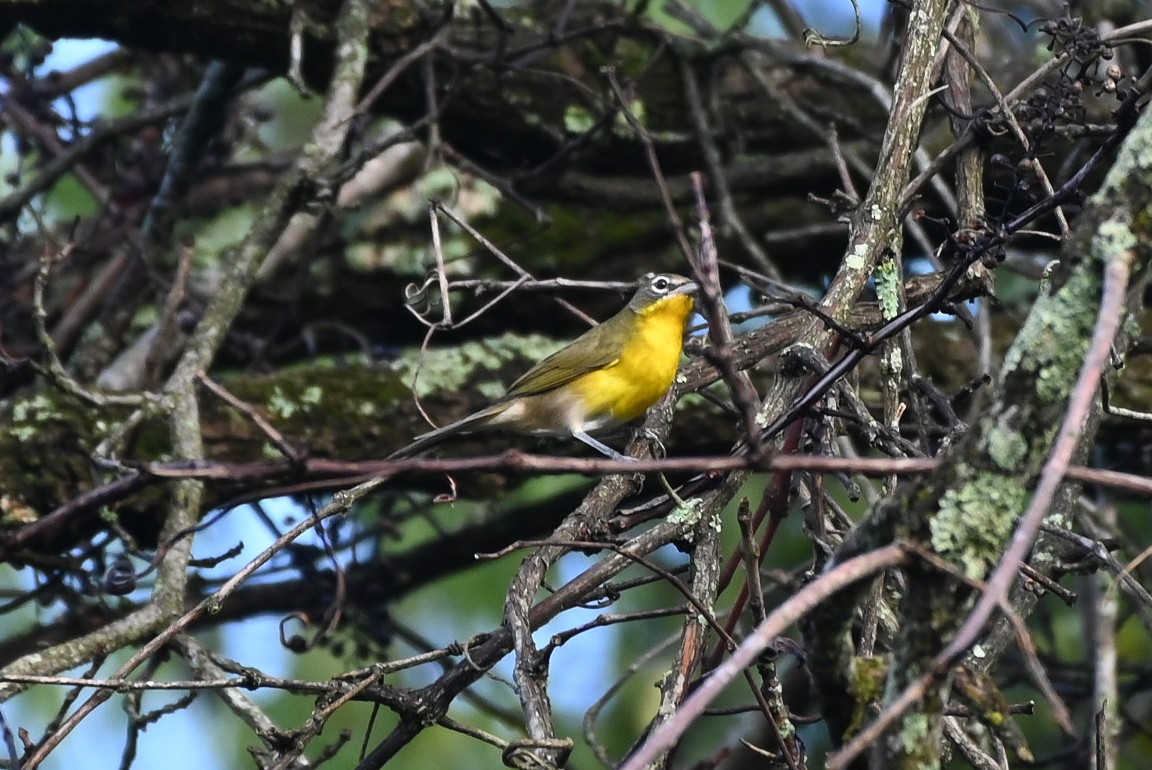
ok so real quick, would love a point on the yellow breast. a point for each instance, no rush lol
(645, 369)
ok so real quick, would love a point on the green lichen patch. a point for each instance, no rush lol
(447, 369)
(866, 684)
(46, 442)
(975, 521)
(361, 410)
(323, 409)
(284, 406)
(28, 415)
(916, 735)
(1006, 447)
(687, 513)
(1056, 337)
(887, 288)
(578, 119)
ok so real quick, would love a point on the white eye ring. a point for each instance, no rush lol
(661, 284)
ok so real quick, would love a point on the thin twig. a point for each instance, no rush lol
(841, 576)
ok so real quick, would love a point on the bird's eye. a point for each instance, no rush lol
(661, 284)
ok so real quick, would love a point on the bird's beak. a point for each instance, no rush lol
(689, 288)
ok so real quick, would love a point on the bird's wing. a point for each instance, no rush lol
(560, 368)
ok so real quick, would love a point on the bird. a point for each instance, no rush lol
(606, 377)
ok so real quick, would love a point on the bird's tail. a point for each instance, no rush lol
(433, 438)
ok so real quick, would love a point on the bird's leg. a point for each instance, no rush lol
(600, 446)
(659, 451)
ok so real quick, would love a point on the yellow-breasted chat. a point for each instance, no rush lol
(606, 377)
